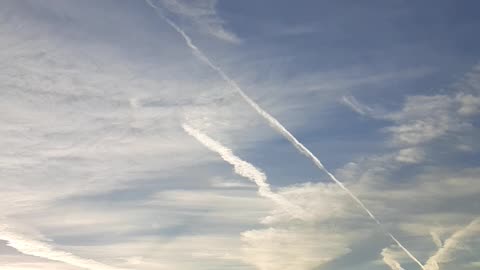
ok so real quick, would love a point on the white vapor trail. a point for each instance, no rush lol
(246, 170)
(274, 123)
(444, 253)
(36, 248)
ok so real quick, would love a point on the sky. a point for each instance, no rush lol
(220, 134)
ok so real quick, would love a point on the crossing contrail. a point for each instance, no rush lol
(452, 243)
(445, 249)
(274, 123)
(248, 171)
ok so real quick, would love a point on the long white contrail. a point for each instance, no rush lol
(36, 248)
(274, 123)
(248, 171)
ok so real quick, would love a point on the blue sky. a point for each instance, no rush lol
(124, 146)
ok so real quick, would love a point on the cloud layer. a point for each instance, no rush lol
(120, 150)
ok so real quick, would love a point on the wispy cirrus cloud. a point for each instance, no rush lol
(352, 103)
(203, 15)
(36, 248)
(423, 119)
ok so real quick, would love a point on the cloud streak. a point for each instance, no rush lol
(274, 123)
(390, 260)
(36, 248)
(246, 170)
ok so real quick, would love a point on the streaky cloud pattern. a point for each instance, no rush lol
(281, 129)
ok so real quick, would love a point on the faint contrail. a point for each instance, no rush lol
(277, 125)
(436, 239)
(36, 248)
(246, 170)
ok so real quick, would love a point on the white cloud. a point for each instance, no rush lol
(390, 259)
(84, 123)
(410, 155)
(424, 118)
(469, 104)
(220, 183)
(247, 170)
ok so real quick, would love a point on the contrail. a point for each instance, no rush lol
(444, 249)
(246, 170)
(36, 248)
(274, 123)
(452, 243)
